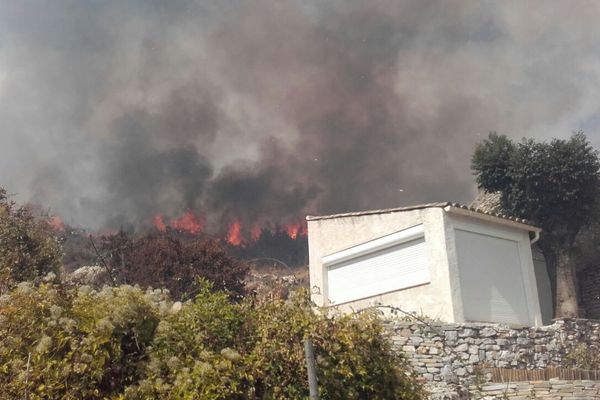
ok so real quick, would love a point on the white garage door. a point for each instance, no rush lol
(491, 279)
(387, 269)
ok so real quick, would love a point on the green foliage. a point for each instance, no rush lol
(124, 343)
(584, 357)
(28, 250)
(213, 349)
(586, 251)
(359, 363)
(554, 184)
(492, 162)
(74, 344)
(192, 355)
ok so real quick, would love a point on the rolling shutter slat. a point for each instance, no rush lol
(394, 268)
(491, 279)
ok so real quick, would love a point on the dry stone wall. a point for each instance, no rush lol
(553, 389)
(460, 353)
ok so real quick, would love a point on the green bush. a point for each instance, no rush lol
(583, 356)
(74, 344)
(355, 359)
(191, 356)
(214, 349)
(28, 250)
(124, 343)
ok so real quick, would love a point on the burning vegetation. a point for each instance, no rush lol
(171, 252)
(237, 233)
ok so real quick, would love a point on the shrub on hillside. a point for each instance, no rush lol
(28, 249)
(214, 349)
(124, 343)
(165, 261)
(58, 343)
(193, 355)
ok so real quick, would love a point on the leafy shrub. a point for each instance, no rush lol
(74, 344)
(355, 359)
(214, 349)
(583, 356)
(192, 355)
(124, 343)
(28, 250)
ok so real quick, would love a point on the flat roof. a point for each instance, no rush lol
(447, 206)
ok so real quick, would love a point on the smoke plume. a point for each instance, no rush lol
(114, 112)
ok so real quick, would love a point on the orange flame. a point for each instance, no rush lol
(159, 222)
(234, 235)
(255, 232)
(56, 223)
(295, 229)
(188, 222)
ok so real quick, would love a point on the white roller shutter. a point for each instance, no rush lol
(491, 279)
(384, 265)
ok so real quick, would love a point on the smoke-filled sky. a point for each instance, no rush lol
(114, 111)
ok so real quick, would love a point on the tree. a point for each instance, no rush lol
(554, 185)
(163, 261)
(28, 249)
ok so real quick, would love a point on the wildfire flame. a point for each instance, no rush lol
(188, 222)
(159, 223)
(295, 229)
(56, 223)
(255, 232)
(234, 235)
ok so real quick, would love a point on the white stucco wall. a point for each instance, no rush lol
(441, 298)
(328, 236)
(495, 273)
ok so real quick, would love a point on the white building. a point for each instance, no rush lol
(443, 260)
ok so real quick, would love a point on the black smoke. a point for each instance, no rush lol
(113, 112)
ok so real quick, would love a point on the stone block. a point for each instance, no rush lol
(523, 341)
(461, 348)
(467, 332)
(487, 332)
(416, 340)
(474, 358)
(491, 347)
